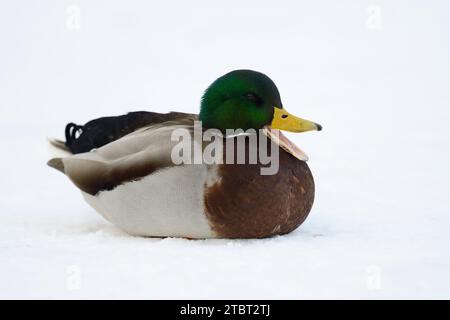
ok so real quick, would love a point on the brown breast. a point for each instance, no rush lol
(245, 204)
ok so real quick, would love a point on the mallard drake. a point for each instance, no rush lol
(125, 170)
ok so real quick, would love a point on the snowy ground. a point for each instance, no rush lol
(380, 227)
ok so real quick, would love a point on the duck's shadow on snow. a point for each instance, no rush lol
(105, 230)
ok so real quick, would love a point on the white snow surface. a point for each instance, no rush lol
(380, 225)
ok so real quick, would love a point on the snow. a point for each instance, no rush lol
(380, 224)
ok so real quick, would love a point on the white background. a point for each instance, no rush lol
(375, 74)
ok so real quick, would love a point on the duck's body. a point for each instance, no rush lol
(133, 183)
(125, 170)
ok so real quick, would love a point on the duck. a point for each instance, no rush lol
(124, 166)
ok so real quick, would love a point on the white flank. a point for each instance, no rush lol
(168, 203)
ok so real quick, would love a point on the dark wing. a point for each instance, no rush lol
(101, 131)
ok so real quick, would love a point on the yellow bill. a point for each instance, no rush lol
(283, 120)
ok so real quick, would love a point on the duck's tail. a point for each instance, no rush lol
(58, 148)
(62, 149)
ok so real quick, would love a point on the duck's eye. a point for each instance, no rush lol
(254, 98)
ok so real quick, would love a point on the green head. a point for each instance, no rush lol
(244, 99)
(241, 99)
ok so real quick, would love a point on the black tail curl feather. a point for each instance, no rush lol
(73, 132)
